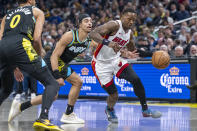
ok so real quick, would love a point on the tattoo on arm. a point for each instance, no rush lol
(102, 30)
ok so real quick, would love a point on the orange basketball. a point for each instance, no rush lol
(160, 59)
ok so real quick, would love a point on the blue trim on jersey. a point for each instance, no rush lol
(69, 71)
(78, 38)
(73, 38)
(89, 44)
(43, 63)
(34, 19)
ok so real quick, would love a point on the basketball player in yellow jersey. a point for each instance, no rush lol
(20, 29)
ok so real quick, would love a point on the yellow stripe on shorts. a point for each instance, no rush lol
(29, 49)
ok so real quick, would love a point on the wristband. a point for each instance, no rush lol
(105, 42)
(56, 74)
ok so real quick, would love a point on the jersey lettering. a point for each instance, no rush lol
(77, 49)
(119, 41)
(26, 11)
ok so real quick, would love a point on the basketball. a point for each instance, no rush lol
(160, 59)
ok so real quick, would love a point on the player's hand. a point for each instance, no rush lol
(43, 52)
(61, 81)
(115, 46)
(18, 75)
(132, 54)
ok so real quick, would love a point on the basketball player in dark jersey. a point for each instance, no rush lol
(70, 45)
(20, 29)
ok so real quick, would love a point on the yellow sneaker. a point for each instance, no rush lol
(44, 124)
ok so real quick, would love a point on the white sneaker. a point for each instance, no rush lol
(72, 127)
(15, 110)
(11, 127)
(33, 95)
(17, 97)
(71, 119)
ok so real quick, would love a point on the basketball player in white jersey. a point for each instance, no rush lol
(107, 62)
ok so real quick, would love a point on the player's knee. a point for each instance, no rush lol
(78, 83)
(111, 89)
(114, 96)
(54, 86)
(135, 79)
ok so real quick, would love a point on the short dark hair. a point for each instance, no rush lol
(128, 10)
(22, 1)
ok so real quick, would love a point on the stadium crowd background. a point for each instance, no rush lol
(179, 41)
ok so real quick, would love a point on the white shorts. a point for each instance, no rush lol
(104, 71)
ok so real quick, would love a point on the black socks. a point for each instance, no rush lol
(69, 109)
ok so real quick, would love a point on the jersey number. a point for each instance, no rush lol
(15, 20)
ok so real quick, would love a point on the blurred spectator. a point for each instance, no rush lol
(178, 52)
(173, 12)
(167, 15)
(170, 44)
(143, 44)
(61, 16)
(182, 14)
(193, 42)
(182, 35)
(164, 48)
(193, 51)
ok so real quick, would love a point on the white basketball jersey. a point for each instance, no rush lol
(105, 53)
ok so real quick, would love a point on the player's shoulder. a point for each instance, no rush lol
(37, 11)
(114, 23)
(68, 36)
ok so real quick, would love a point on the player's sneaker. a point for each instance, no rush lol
(11, 127)
(111, 116)
(192, 86)
(15, 110)
(112, 126)
(33, 95)
(45, 125)
(150, 113)
(71, 119)
(17, 97)
(72, 127)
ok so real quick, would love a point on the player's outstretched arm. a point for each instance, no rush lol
(59, 49)
(130, 51)
(2, 27)
(40, 18)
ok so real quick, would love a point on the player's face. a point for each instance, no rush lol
(33, 2)
(128, 20)
(86, 24)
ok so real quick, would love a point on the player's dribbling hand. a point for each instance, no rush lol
(60, 81)
(132, 54)
(18, 75)
(115, 46)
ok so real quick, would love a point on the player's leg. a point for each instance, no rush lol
(7, 80)
(33, 86)
(6, 77)
(69, 116)
(111, 89)
(34, 65)
(194, 87)
(103, 72)
(129, 74)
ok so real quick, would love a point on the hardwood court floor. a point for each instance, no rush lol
(176, 117)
